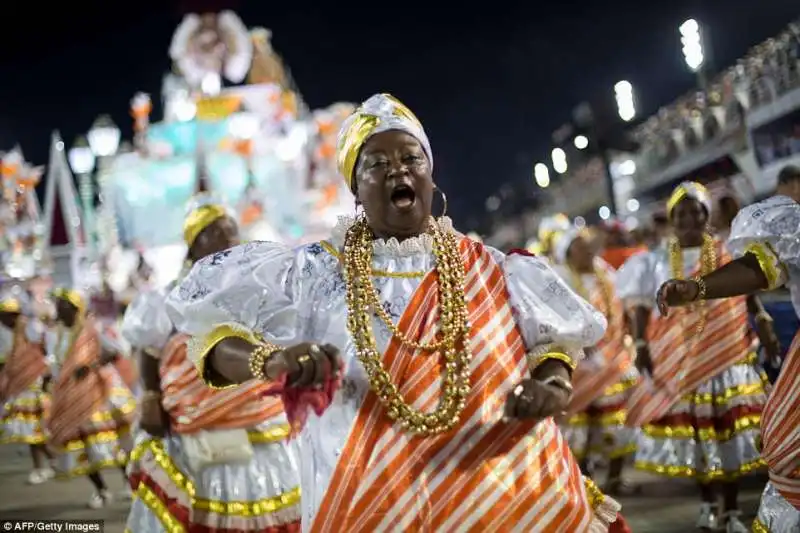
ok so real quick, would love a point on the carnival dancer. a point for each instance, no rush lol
(22, 391)
(437, 414)
(595, 427)
(252, 481)
(700, 400)
(89, 424)
(765, 236)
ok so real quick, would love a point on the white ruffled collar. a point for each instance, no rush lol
(391, 247)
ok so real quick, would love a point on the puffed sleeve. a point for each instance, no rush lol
(636, 281)
(250, 291)
(146, 324)
(556, 323)
(770, 231)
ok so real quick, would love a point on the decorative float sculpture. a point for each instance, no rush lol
(262, 151)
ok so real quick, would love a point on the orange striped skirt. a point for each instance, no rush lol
(781, 428)
(710, 434)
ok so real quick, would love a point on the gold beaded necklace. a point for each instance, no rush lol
(363, 300)
(603, 283)
(708, 262)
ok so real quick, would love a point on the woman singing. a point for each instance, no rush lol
(766, 236)
(436, 414)
(596, 428)
(700, 401)
(251, 485)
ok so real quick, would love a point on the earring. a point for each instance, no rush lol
(444, 200)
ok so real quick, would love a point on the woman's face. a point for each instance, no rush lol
(394, 184)
(689, 218)
(220, 235)
(580, 255)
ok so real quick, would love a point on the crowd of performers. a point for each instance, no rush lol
(403, 377)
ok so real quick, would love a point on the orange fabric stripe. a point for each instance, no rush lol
(483, 475)
(590, 380)
(780, 428)
(193, 406)
(24, 365)
(75, 400)
(682, 359)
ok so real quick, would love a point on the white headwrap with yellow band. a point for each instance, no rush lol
(689, 189)
(203, 210)
(379, 113)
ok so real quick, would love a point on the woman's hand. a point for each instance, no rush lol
(676, 292)
(644, 363)
(154, 420)
(533, 399)
(306, 364)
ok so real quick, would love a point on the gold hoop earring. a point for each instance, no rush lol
(444, 200)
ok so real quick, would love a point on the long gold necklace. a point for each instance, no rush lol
(708, 262)
(363, 300)
(603, 283)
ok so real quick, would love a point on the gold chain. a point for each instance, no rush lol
(604, 284)
(363, 300)
(708, 262)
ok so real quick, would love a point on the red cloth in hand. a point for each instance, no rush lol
(297, 401)
(620, 525)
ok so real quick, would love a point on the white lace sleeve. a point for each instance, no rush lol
(146, 324)
(636, 280)
(770, 230)
(551, 316)
(249, 291)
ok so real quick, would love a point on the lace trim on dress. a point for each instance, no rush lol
(391, 247)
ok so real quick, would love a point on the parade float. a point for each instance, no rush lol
(260, 149)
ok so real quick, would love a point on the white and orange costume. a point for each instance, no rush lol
(90, 420)
(252, 485)
(596, 427)
(361, 472)
(770, 230)
(25, 402)
(700, 412)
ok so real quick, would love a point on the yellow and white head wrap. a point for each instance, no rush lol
(203, 210)
(689, 189)
(563, 240)
(379, 113)
(71, 296)
(549, 228)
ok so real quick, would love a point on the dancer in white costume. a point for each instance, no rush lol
(410, 432)
(766, 236)
(252, 484)
(22, 386)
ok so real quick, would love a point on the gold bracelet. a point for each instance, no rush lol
(701, 288)
(151, 395)
(259, 357)
(536, 362)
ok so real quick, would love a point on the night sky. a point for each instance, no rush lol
(490, 81)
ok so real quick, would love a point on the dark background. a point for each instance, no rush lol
(489, 80)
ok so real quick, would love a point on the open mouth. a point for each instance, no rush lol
(403, 197)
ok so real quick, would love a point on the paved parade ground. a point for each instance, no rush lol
(663, 507)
